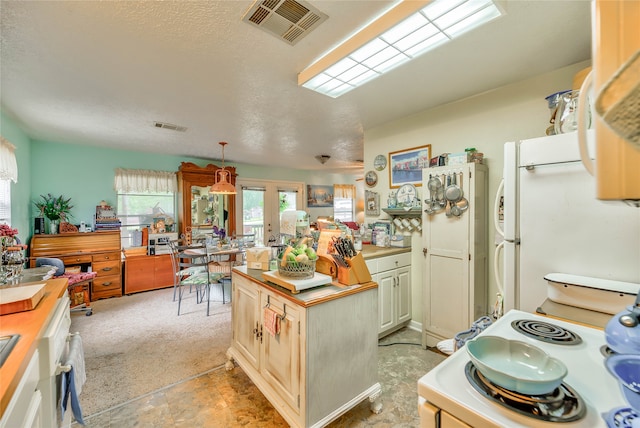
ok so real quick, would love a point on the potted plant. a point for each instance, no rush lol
(54, 209)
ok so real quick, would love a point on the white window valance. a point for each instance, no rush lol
(144, 180)
(344, 191)
(8, 163)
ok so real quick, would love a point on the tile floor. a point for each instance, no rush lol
(223, 398)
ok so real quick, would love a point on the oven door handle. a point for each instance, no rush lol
(62, 369)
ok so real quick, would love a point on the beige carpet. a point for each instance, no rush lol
(136, 344)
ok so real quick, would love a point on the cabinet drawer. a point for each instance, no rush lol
(106, 268)
(106, 286)
(372, 265)
(106, 257)
(76, 260)
(393, 262)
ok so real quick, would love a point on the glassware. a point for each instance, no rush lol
(566, 119)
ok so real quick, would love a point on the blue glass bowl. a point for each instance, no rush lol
(626, 368)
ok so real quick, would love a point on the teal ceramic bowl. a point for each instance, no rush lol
(515, 365)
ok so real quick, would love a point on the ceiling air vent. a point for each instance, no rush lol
(288, 20)
(170, 126)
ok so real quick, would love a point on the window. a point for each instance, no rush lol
(5, 202)
(137, 211)
(8, 173)
(343, 201)
(343, 209)
(143, 196)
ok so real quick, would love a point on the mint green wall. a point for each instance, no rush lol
(20, 191)
(86, 173)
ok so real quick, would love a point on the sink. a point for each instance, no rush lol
(6, 345)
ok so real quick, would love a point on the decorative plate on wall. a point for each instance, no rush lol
(406, 195)
(380, 162)
(371, 178)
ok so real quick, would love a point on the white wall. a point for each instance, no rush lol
(485, 121)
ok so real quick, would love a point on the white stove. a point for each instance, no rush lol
(448, 389)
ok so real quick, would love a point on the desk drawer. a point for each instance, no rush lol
(106, 286)
(106, 257)
(76, 260)
(106, 268)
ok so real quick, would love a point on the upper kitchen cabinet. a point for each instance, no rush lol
(615, 40)
(199, 210)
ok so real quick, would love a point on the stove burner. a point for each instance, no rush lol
(561, 405)
(621, 417)
(546, 332)
(606, 351)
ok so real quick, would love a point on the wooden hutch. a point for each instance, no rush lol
(192, 176)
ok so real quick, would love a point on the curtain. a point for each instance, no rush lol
(144, 180)
(344, 191)
(8, 164)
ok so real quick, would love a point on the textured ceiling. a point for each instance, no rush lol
(101, 73)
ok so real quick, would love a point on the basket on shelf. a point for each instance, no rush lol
(297, 270)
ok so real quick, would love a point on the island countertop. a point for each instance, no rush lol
(311, 296)
(30, 325)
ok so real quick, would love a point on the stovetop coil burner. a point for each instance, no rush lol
(621, 417)
(546, 332)
(561, 405)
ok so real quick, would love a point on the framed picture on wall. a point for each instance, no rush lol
(319, 196)
(405, 166)
(372, 203)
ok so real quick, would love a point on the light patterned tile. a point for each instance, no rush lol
(222, 399)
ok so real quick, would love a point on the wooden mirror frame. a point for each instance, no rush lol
(190, 174)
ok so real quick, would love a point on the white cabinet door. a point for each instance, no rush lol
(394, 293)
(403, 294)
(246, 319)
(455, 272)
(386, 300)
(280, 359)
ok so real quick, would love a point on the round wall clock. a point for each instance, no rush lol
(371, 178)
(380, 162)
(406, 195)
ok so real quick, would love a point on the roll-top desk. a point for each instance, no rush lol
(99, 251)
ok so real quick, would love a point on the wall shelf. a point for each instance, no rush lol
(400, 212)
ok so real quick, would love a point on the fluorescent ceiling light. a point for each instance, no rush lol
(401, 34)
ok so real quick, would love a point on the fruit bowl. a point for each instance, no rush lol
(298, 270)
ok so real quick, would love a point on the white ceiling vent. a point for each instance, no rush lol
(170, 126)
(288, 20)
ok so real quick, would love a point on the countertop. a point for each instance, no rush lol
(372, 251)
(30, 325)
(311, 296)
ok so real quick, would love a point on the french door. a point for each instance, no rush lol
(260, 203)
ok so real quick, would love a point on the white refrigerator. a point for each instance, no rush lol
(553, 222)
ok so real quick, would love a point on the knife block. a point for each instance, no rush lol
(346, 276)
(360, 268)
(356, 273)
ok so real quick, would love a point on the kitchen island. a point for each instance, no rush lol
(21, 395)
(324, 359)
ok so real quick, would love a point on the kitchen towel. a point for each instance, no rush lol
(71, 381)
(271, 321)
(446, 346)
